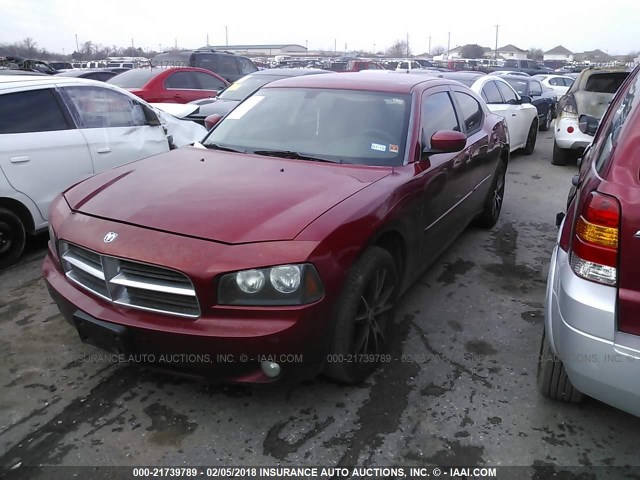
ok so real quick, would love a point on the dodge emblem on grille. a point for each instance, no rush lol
(110, 237)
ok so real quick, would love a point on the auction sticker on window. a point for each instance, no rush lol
(378, 147)
(244, 107)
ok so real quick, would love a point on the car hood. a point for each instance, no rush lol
(592, 103)
(226, 197)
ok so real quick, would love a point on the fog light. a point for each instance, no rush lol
(270, 369)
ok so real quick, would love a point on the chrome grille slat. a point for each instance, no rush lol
(125, 282)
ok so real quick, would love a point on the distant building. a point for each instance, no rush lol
(558, 53)
(270, 50)
(594, 56)
(511, 52)
(455, 52)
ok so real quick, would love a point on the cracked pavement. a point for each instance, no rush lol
(460, 390)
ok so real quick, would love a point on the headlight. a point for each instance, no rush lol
(297, 284)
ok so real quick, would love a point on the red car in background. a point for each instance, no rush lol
(171, 85)
(281, 248)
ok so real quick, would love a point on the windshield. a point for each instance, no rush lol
(519, 86)
(346, 126)
(136, 78)
(244, 87)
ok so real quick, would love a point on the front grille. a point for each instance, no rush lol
(129, 283)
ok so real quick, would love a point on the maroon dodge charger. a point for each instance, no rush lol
(279, 247)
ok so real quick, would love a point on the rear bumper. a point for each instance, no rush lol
(576, 140)
(580, 316)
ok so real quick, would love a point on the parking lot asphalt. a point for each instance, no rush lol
(459, 391)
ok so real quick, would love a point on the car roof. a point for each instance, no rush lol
(291, 72)
(358, 81)
(13, 81)
(77, 72)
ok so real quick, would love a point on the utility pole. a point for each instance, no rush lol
(226, 35)
(407, 44)
(374, 48)
(335, 45)
(176, 43)
(207, 39)
(77, 47)
(345, 49)
(306, 46)
(429, 44)
(448, 45)
(495, 56)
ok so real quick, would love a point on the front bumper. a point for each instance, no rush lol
(580, 319)
(234, 339)
(576, 140)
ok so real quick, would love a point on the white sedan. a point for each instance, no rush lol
(560, 84)
(521, 116)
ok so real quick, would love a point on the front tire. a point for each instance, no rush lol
(12, 237)
(365, 315)
(552, 378)
(531, 138)
(493, 203)
(560, 156)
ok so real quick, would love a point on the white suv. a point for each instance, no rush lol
(55, 132)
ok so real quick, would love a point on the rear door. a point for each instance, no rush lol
(41, 150)
(117, 128)
(184, 87)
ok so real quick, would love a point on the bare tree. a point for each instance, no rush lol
(29, 47)
(438, 50)
(399, 49)
(535, 53)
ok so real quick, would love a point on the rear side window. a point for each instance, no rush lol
(609, 138)
(437, 114)
(605, 82)
(490, 93)
(471, 111)
(558, 82)
(31, 111)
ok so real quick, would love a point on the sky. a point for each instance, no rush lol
(611, 26)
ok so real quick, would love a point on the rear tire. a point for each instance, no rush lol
(12, 237)
(552, 378)
(493, 203)
(560, 156)
(365, 315)
(531, 138)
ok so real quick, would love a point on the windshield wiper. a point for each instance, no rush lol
(223, 148)
(294, 155)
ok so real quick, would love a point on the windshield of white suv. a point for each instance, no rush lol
(344, 126)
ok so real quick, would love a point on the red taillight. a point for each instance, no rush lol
(594, 247)
(570, 129)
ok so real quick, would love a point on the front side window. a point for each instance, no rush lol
(518, 85)
(246, 66)
(208, 82)
(182, 80)
(507, 93)
(471, 110)
(104, 108)
(557, 82)
(346, 126)
(31, 111)
(437, 114)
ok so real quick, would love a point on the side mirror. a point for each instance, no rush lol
(525, 99)
(588, 124)
(445, 141)
(212, 120)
